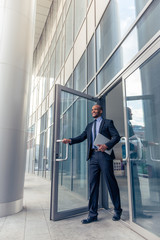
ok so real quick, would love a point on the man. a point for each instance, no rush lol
(100, 161)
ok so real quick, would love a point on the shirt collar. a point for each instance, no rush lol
(99, 119)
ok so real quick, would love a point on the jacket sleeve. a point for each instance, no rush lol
(80, 138)
(114, 135)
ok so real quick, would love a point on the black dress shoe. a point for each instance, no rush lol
(89, 220)
(116, 216)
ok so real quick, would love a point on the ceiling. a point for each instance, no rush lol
(42, 11)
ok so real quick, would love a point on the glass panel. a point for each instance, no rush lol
(69, 30)
(41, 153)
(59, 27)
(112, 67)
(67, 3)
(52, 70)
(50, 116)
(130, 47)
(117, 19)
(91, 89)
(79, 74)
(69, 83)
(80, 8)
(73, 174)
(58, 61)
(142, 90)
(43, 122)
(148, 21)
(91, 60)
(88, 2)
(49, 152)
(30, 155)
(37, 153)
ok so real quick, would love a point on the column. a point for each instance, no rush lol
(17, 23)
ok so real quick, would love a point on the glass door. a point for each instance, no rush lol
(69, 195)
(143, 133)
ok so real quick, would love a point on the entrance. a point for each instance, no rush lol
(114, 109)
(69, 194)
(133, 104)
(142, 103)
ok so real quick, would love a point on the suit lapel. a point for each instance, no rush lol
(101, 126)
(90, 131)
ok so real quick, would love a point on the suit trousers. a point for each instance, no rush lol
(101, 162)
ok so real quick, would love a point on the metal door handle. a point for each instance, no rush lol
(151, 155)
(124, 140)
(63, 159)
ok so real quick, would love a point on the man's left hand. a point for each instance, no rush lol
(102, 147)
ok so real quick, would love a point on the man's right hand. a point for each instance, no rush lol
(66, 140)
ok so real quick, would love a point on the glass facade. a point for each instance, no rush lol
(124, 31)
(134, 42)
(117, 19)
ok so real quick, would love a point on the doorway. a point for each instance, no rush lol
(114, 109)
(69, 187)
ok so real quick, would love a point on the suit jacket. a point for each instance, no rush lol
(107, 129)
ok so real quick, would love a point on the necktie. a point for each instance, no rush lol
(94, 128)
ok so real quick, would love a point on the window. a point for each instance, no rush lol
(79, 74)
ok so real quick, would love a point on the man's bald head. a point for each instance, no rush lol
(96, 111)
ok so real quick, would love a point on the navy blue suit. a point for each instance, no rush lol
(101, 162)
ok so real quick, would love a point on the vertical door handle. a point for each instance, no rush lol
(124, 141)
(66, 157)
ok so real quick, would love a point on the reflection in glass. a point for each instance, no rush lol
(50, 116)
(144, 142)
(79, 74)
(117, 19)
(138, 37)
(41, 154)
(30, 155)
(48, 160)
(73, 174)
(52, 70)
(58, 55)
(69, 30)
(69, 83)
(91, 60)
(80, 8)
(37, 153)
(91, 89)
(113, 66)
(43, 122)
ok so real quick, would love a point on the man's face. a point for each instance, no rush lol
(96, 111)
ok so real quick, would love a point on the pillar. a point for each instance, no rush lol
(17, 24)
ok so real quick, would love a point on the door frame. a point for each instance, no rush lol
(153, 47)
(54, 214)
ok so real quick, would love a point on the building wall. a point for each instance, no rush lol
(89, 45)
(85, 45)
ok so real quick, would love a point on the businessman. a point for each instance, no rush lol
(100, 161)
